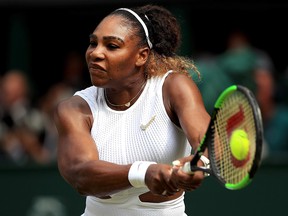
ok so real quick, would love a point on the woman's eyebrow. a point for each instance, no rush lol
(93, 36)
(113, 38)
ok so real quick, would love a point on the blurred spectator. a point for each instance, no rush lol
(72, 80)
(73, 71)
(236, 65)
(21, 125)
(213, 79)
(253, 67)
(243, 64)
(282, 87)
(241, 60)
(275, 115)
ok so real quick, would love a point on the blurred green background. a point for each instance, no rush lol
(41, 191)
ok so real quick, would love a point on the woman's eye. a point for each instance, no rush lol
(93, 43)
(112, 46)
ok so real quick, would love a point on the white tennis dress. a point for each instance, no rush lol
(144, 132)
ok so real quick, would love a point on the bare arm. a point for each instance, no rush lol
(185, 107)
(78, 159)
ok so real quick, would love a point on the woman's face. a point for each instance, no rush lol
(113, 52)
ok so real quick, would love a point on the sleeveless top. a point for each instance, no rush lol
(143, 132)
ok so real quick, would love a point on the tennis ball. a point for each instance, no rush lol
(239, 144)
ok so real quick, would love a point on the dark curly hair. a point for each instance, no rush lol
(165, 35)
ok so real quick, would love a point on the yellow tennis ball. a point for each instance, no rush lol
(239, 144)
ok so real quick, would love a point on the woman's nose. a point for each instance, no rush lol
(97, 53)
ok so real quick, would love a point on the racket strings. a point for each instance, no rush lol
(235, 113)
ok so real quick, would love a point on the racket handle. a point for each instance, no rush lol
(187, 168)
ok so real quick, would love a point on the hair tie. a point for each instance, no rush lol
(142, 23)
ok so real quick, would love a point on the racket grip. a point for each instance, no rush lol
(187, 168)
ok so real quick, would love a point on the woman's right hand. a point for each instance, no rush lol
(163, 179)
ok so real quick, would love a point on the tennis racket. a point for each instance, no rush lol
(235, 109)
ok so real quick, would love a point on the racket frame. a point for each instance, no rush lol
(207, 140)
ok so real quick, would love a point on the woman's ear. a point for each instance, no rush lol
(142, 56)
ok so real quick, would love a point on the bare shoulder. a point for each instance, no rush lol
(182, 97)
(72, 104)
(181, 87)
(71, 111)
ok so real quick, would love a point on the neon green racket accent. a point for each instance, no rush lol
(245, 181)
(224, 94)
(202, 141)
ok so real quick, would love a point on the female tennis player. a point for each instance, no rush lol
(119, 136)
